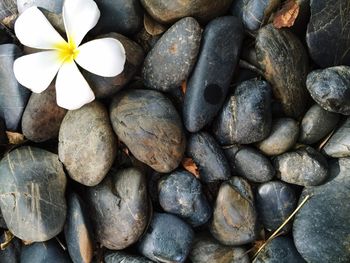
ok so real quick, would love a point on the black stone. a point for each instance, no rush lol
(32, 187)
(230, 152)
(167, 239)
(246, 116)
(12, 252)
(209, 157)
(330, 88)
(180, 193)
(122, 257)
(339, 144)
(171, 60)
(317, 123)
(209, 83)
(275, 202)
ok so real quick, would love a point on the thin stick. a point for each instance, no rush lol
(325, 140)
(59, 242)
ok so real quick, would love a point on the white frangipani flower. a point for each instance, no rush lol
(104, 57)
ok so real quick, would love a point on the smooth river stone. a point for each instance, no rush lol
(148, 123)
(305, 167)
(235, 218)
(169, 11)
(167, 239)
(78, 231)
(330, 88)
(283, 136)
(87, 144)
(210, 80)
(246, 116)
(104, 87)
(122, 257)
(284, 61)
(328, 32)
(32, 188)
(339, 144)
(52, 6)
(42, 116)
(321, 227)
(209, 157)
(275, 202)
(171, 60)
(12, 252)
(316, 124)
(119, 208)
(207, 249)
(13, 97)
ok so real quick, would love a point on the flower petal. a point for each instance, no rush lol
(36, 71)
(72, 90)
(34, 30)
(79, 17)
(104, 57)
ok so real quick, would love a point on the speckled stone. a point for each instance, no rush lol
(122, 257)
(339, 144)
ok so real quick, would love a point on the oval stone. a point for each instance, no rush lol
(171, 60)
(32, 188)
(122, 257)
(339, 144)
(156, 138)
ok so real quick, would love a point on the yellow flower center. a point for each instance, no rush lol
(68, 52)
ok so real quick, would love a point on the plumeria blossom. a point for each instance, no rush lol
(104, 57)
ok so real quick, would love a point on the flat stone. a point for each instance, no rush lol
(328, 32)
(316, 124)
(246, 116)
(339, 144)
(330, 88)
(87, 163)
(122, 257)
(32, 188)
(288, 75)
(171, 60)
(167, 239)
(156, 138)
(209, 82)
(209, 157)
(119, 208)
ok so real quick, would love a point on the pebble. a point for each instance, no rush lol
(119, 208)
(288, 75)
(78, 231)
(169, 11)
(32, 187)
(87, 144)
(339, 144)
(171, 60)
(209, 82)
(52, 6)
(180, 193)
(209, 157)
(42, 117)
(284, 135)
(275, 202)
(246, 117)
(12, 252)
(230, 153)
(167, 239)
(235, 218)
(316, 124)
(330, 88)
(122, 257)
(305, 167)
(13, 97)
(328, 32)
(156, 138)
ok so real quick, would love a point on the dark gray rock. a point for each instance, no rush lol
(171, 60)
(167, 239)
(12, 252)
(339, 144)
(275, 202)
(180, 193)
(317, 124)
(328, 32)
(13, 97)
(330, 88)
(284, 61)
(209, 83)
(78, 231)
(209, 157)
(119, 208)
(280, 249)
(246, 116)
(283, 136)
(122, 257)
(52, 6)
(305, 166)
(235, 218)
(148, 123)
(87, 163)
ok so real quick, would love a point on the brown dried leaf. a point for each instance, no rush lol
(190, 166)
(8, 238)
(184, 87)
(27, 243)
(287, 15)
(152, 27)
(15, 137)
